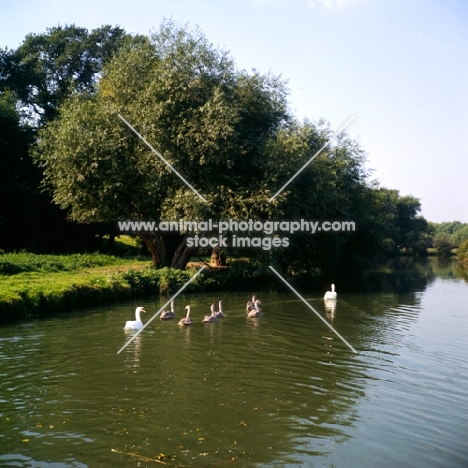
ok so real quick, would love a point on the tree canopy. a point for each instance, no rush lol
(229, 132)
(47, 68)
(35, 79)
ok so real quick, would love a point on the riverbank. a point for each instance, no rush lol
(36, 285)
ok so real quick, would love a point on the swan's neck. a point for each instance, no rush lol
(333, 287)
(220, 306)
(137, 315)
(172, 306)
(188, 313)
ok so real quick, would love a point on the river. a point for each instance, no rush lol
(281, 390)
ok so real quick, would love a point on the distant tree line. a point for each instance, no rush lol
(69, 167)
(448, 235)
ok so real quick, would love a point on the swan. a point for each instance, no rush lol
(251, 304)
(168, 314)
(186, 320)
(212, 317)
(255, 311)
(220, 312)
(135, 324)
(330, 294)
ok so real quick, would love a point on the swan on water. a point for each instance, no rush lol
(251, 304)
(168, 314)
(220, 312)
(255, 311)
(212, 317)
(330, 294)
(135, 324)
(186, 320)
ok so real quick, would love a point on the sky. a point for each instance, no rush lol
(399, 66)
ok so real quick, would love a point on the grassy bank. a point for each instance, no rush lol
(36, 285)
(32, 285)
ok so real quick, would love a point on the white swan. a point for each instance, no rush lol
(330, 294)
(212, 317)
(256, 311)
(168, 314)
(135, 324)
(220, 312)
(251, 304)
(186, 320)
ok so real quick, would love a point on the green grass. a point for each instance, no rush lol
(36, 285)
(14, 263)
(32, 284)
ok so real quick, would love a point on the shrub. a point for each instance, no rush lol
(462, 253)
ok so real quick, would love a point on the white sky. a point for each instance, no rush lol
(400, 65)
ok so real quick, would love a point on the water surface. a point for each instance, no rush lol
(280, 390)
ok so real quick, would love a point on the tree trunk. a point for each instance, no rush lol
(182, 254)
(156, 246)
(168, 250)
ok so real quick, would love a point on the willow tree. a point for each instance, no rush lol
(211, 121)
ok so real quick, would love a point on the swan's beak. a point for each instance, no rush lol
(143, 310)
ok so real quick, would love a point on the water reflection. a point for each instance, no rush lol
(133, 349)
(185, 332)
(330, 308)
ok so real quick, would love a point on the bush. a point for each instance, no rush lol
(462, 253)
(443, 245)
(163, 281)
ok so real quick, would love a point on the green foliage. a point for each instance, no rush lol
(455, 231)
(202, 114)
(187, 99)
(232, 136)
(443, 245)
(163, 281)
(398, 227)
(229, 132)
(35, 78)
(462, 253)
(14, 263)
(47, 68)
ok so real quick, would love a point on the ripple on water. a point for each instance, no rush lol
(281, 389)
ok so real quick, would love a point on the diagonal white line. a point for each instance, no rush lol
(157, 153)
(311, 159)
(310, 307)
(161, 309)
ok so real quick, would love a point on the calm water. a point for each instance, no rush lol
(281, 390)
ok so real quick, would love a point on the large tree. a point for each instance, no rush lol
(208, 119)
(47, 68)
(228, 132)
